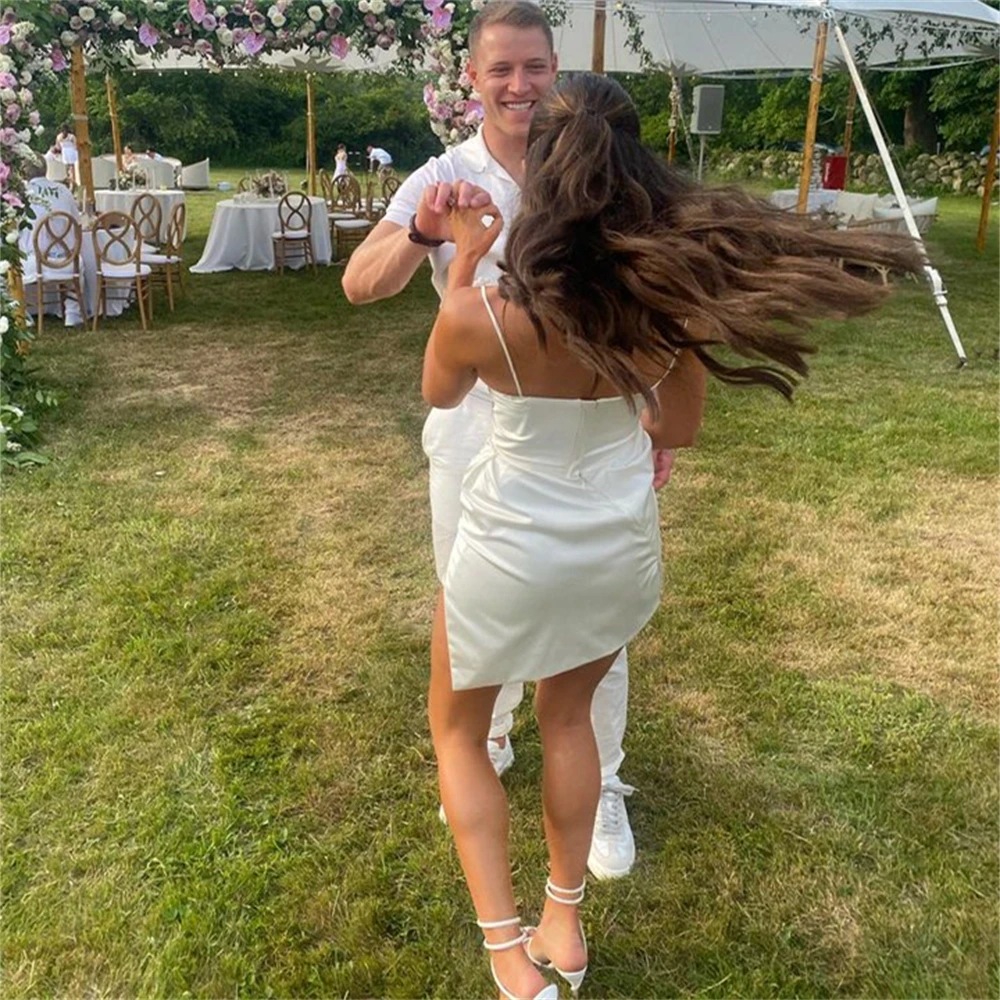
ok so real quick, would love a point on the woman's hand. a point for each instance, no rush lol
(475, 230)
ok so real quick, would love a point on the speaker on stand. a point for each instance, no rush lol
(706, 118)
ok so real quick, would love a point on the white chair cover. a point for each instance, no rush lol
(195, 176)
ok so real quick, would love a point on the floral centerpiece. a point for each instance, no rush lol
(131, 177)
(270, 185)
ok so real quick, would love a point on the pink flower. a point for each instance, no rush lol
(433, 5)
(34, 118)
(13, 112)
(339, 46)
(441, 18)
(58, 60)
(4, 172)
(4, 34)
(197, 10)
(12, 199)
(209, 22)
(148, 35)
(253, 43)
(8, 80)
(8, 137)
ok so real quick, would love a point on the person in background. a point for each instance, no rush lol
(128, 158)
(66, 145)
(378, 159)
(340, 162)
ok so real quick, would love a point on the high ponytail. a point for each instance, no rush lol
(618, 253)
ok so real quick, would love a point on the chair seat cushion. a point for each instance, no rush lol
(352, 224)
(341, 215)
(59, 273)
(160, 258)
(124, 271)
(298, 234)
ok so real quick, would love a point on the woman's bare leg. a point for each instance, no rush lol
(571, 787)
(476, 806)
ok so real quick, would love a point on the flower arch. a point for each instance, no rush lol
(42, 39)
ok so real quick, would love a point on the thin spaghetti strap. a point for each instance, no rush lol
(503, 343)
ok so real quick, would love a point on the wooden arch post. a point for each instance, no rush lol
(600, 30)
(81, 125)
(310, 136)
(819, 55)
(116, 137)
(852, 103)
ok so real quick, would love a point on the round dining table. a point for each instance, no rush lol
(240, 237)
(122, 201)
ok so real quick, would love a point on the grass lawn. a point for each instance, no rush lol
(218, 779)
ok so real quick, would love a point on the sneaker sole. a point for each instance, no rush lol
(602, 873)
(503, 770)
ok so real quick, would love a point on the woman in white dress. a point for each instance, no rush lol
(66, 141)
(621, 276)
(340, 162)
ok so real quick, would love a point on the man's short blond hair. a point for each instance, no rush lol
(521, 14)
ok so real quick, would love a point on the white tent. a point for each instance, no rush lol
(707, 37)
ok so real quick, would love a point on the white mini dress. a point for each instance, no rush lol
(557, 558)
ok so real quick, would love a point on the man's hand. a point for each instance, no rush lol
(438, 200)
(663, 464)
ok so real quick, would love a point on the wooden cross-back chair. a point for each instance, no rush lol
(245, 184)
(147, 213)
(118, 251)
(294, 237)
(168, 264)
(57, 241)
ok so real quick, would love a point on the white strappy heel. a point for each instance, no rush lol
(550, 992)
(569, 897)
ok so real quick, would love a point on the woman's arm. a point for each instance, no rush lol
(682, 404)
(450, 358)
(449, 372)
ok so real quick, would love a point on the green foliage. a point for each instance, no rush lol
(256, 117)
(964, 98)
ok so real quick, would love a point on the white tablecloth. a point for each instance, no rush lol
(121, 201)
(821, 200)
(240, 237)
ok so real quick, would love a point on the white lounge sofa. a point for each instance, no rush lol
(194, 177)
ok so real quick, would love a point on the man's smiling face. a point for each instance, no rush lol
(511, 69)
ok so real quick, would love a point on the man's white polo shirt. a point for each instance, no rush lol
(469, 161)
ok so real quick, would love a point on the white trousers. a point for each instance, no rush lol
(451, 439)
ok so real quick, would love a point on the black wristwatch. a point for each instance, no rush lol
(418, 237)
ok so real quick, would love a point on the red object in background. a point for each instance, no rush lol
(834, 171)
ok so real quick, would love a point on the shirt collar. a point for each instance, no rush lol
(479, 157)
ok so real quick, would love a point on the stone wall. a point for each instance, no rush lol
(944, 173)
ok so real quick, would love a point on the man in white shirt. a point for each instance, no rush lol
(512, 66)
(378, 158)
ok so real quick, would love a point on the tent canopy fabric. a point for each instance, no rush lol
(711, 37)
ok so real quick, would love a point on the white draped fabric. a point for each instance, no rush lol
(240, 237)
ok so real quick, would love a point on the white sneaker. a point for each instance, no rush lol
(501, 757)
(612, 849)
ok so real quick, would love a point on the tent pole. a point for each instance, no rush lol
(991, 173)
(113, 112)
(81, 126)
(600, 21)
(852, 102)
(933, 277)
(816, 88)
(310, 137)
(674, 115)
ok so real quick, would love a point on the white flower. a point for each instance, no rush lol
(11, 237)
(68, 39)
(278, 19)
(7, 95)
(6, 63)
(4, 268)
(377, 6)
(225, 36)
(4, 322)
(220, 11)
(364, 6)
(86, 13)
(22, 29)
(315, 13)
(117, 18)
(12, 446)
(26, 77)
(39, 129)
(478, 4)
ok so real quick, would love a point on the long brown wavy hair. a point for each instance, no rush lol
(617, 252)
